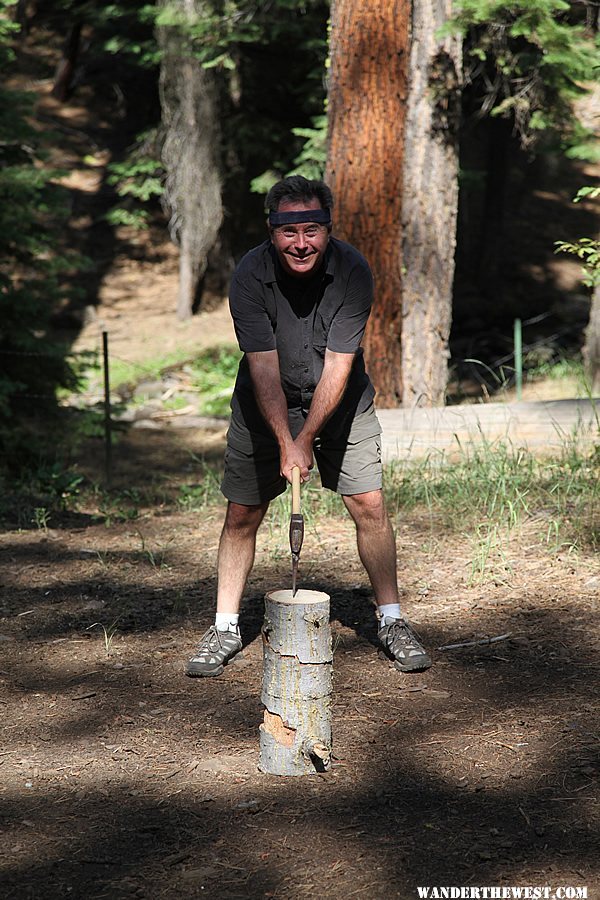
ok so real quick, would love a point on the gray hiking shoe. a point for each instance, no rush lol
(401, 644)
(213, 653)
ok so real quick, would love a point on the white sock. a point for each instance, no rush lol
(388, 609)
(227, 621)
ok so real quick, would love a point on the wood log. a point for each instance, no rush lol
(295, 735)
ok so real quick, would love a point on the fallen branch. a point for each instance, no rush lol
(170, 413)
(524, 814)
(499, 744)
(481, 643)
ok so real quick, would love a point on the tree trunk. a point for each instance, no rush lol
(366, 109)
(429, 206)
(295, 736)
(190, 266)
(591, 350)
(592, 16)
(190, 153)
(189, 277)
(587, 111)
(66, 67)
(23, 13)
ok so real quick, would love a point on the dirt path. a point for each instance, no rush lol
(542, 427)
(123, 778)
(137, 308)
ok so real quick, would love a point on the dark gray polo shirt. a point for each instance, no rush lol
(300, 318)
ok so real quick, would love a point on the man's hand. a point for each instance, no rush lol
(264, 369)
(297, 453)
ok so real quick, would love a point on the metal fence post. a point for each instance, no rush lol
(107, 422)
(519, 359)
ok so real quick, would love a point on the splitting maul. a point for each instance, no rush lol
(296, 527)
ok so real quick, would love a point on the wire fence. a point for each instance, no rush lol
(85, 354)
(519, 351)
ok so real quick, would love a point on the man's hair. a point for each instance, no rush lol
(297, 189)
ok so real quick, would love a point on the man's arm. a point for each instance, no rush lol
(327, 396)
(264, 370)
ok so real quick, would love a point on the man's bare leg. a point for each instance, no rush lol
(376, 543)
(236, 553)
(377, 551)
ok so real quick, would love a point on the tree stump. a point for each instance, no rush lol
(295, 735)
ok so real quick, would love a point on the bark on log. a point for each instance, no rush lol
(295, 735)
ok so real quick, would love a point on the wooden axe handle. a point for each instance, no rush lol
(296, 490)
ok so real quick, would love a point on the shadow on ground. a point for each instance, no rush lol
(125, 779)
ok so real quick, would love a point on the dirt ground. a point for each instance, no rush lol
(121, 777)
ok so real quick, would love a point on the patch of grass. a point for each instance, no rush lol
(556, 370)
(204, 491)
(41, 518)
(125, 372)
(109, 634)
(488, 495)
(157, 558)
(115, 506)
(489, 559)
(493, 489)
(39, 496)
(489, 482)
(175, 403)
(213, 374)
(561, 368)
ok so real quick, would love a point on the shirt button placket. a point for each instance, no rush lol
(305, 345)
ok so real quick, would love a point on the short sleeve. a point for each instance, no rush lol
(251, 321)
(348, 325)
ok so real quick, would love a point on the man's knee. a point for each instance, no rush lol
(367, 508)
(240, 518)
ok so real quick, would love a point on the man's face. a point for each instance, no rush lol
(300, 247)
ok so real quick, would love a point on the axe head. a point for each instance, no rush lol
(296, 538)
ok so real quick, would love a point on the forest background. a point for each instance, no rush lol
(456, 138)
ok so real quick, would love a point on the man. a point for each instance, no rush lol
(300, 302)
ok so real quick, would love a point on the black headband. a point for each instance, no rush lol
(293, 216)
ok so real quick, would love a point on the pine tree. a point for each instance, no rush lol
(525, 64)
(367, 106)
(430, 203)
(32, 271)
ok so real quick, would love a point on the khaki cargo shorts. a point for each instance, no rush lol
(349, 462)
